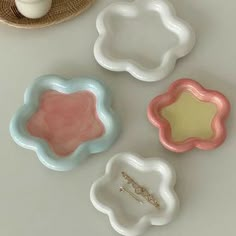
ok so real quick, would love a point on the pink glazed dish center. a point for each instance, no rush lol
(65, 121)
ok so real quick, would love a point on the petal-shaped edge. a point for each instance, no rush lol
(182, 29)
(205, 95)
(31, 101)
(167, 187)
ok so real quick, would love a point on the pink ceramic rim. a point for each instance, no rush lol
(218, 126)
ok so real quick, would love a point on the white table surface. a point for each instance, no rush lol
(37, 201)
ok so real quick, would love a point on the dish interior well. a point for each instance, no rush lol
(138, 36)
(190, 117)
(66, 120)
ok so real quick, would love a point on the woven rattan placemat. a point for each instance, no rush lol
(61, 10)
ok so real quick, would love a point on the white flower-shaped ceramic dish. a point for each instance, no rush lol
(137, 49)
(127, 216)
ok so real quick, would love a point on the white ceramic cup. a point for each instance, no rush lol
(33, 9)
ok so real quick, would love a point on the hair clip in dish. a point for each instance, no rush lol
(139, 190)
(124, 189)
(137, 207)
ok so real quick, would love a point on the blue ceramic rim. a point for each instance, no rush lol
(45, 154)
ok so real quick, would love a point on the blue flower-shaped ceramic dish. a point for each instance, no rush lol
(64, 121)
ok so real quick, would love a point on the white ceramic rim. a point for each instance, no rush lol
(176, 25)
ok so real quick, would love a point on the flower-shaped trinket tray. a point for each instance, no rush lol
(144, 38)
(64, 121)
(136, 193)
(189, 116)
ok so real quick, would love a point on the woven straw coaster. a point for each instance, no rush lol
(61, 10)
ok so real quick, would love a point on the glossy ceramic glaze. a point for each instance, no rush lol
(127, 216)
(69, 118)
(33, 9)
(66, 121)
(189, 116)
(145, 55)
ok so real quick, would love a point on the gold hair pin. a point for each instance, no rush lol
(139, 190)
(124, 189)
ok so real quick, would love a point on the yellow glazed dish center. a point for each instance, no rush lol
(190, 117)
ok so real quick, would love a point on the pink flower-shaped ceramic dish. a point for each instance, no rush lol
(189, 116)
(64, 121)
